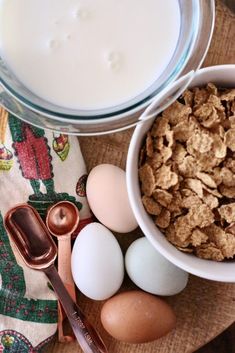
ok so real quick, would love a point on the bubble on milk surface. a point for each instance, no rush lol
(81, 13)
(54, 43)
(114, 60)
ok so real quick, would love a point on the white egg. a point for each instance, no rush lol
(151, 272)
(107, 196)
(97, 262)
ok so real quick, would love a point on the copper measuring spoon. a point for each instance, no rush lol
(39, 252)
(62, 220)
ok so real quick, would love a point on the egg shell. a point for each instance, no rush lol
(152, 272)
(97, 262)
(107, 196)
(137, 317)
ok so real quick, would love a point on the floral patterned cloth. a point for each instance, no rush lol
(38, 168)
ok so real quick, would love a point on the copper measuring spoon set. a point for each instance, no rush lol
(39, 252)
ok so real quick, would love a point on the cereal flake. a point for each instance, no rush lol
(195, 185)
(179, 153)
(228, 96)
(198, 237)
(188, 167)
(163, 197)
(228, 212)
(177, 112)
(163, 220)
(209, 251)
(149, 145)
(147, 179)
(229, 139)
(200, 141)
(200, 216)
(160, 127)
(165, 178)
(206, 179)
(210, 200)
(151, 206)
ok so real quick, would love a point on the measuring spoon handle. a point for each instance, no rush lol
(64, 264)
(86, 335)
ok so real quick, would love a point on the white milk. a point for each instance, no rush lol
(88, 54)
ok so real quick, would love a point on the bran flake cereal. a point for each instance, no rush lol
(187, 172)
(163, 219)
(229, 139)
(163, 197)
(198, 237)
(151, 206)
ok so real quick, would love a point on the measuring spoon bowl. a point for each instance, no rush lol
(62, 219)
(31, 236)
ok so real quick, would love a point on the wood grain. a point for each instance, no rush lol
(204, 308)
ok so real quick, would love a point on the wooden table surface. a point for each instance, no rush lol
(204, 308)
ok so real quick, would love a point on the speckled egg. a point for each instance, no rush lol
(137, 317)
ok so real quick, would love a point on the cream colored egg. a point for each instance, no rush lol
(107, 196)
(97, 262)
(152, 272)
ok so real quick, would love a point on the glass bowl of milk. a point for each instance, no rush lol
(91, 66)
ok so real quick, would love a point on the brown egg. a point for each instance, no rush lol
(137, 317)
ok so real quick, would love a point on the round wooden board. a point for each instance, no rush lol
(204, 308)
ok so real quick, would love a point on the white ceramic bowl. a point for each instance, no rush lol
(223, 76)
